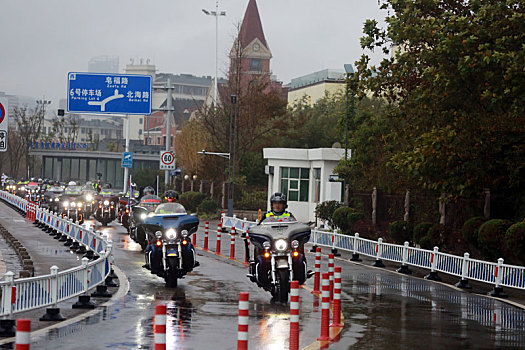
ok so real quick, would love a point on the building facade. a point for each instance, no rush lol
(315, 86)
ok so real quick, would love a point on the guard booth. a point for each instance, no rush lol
(305, 176)
(83, 166)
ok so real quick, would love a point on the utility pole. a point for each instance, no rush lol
(126, 170)
(168, 127)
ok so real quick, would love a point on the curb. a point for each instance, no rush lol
(28, 270)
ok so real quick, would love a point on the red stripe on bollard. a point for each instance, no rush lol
(294, 315)
(159, 327)
(232, 243)
(194, 239)
(336, 321)
(242, 330)
(331, 275)
(206, 236)
(325, 310)
(218, 247)
(23, 334)
(246, 260)
(317, 278)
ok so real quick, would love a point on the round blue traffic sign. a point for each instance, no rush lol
(2, 112)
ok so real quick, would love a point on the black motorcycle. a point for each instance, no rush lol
(279, 256)
(106, 210)
(139, 213)
(73, 208)
(170, 253)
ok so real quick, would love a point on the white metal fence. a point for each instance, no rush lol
(24, 294)
(496, 273)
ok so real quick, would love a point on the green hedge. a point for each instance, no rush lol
(345, 218)
(491, 238)
(401, 231)
(515, 238)
(470, 229)
(208, 206)
(191, 200)
(421, 231)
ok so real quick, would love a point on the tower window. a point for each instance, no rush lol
(255, 64)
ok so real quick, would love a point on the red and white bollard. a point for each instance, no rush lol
(336, 320)
(232, 243)
(325, 310)
(317, 276)
(294, 315)
(159, 327)
(242, 332)
(194, 239)
(331, 275)
(206, 236)
(218, 247)
(23, 334)
(247, 254)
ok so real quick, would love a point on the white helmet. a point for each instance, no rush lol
(72, 183)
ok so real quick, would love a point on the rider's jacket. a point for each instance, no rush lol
(105, 192)
(277, 215)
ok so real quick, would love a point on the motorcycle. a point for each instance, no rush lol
(89, 202)
(279, 256)
(170, 253)
(72, 207)
(106, 211)
(139, 213)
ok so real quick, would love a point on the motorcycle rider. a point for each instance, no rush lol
(148, 190)
(278, 204)
(171, 196)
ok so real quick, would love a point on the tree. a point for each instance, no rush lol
(191, 140)
(455, 85)
(28, 129)
(65, 128)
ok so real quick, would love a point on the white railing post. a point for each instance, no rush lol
(379, 249)
(314, 234)
(463, 282)
(7, 293)
(433, 275)
(334, 249)
(355, 255)
(54, 285)
(404, 267)
(498, 273)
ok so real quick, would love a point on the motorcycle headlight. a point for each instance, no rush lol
(89, 197)
(295, 244)
(73, 204)
(66, 204)
(56, 199)
(281, 244)
(184, 233)
(106, 202)
(143, 216)
(79, 204)
(171, 234)
(22, 188)
(266, 245)
(158, 234)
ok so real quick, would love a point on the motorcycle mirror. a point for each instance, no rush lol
(184, 233)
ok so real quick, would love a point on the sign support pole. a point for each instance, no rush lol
(126, 170)
(168, 128)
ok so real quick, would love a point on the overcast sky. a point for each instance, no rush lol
(43, 40)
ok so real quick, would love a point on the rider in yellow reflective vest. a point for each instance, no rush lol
(279, 204)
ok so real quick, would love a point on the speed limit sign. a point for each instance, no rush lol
(167, 161)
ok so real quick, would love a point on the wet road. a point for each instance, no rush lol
(382, 310)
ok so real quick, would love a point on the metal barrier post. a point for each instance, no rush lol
(53, 313)
(498, 290)
(404, 267)
(379, 250)
(84, 300)
(314, 247)
(463, 282)
(334, 249)
(355, 255)
(433, 275)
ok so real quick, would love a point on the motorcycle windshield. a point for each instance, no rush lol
(170, 209)
(274, 219)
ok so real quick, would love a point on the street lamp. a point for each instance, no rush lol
(349, 72)
(216, 14)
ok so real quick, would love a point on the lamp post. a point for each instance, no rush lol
(42, 105)
(349, 71)
(216, 14)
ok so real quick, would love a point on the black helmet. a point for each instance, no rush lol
(171, 196)
(107, 186)
(279, 197)
(148, 190)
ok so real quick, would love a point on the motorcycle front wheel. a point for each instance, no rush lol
(171, 274)
(283, 288)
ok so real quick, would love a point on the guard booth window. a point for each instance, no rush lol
(295, 183)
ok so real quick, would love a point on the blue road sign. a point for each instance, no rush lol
(109, 93)
(127, 160)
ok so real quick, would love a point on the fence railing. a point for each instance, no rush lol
(25, 294)
(495, 273)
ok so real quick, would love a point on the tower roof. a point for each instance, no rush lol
(251, 27)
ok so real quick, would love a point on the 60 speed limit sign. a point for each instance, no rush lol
(167, 161)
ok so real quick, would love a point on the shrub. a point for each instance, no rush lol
(345, 217)
(426, 243)
(420, 231)
(253, 200)
(491, 238)
(208, 206)
(325, 211)
(515, 237)
(191, 200)
(470, 229)
(437, 234)
(400, 231)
